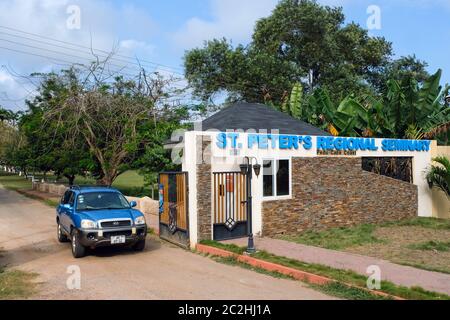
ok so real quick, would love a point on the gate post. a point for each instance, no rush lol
(204, 188)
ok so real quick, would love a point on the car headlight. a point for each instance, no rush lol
(88, 224)
(139, 220)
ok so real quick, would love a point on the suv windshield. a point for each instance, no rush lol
(101, 201)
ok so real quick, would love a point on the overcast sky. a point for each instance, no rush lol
(159, 32)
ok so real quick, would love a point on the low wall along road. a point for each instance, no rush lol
(146, 205)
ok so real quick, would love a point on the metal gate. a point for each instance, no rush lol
(230, 210)
(173, 208)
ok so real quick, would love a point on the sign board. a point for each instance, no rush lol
(234, 141)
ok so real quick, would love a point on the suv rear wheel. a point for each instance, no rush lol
(78, 250)
(61, 236)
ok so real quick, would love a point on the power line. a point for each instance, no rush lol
(90, 48)
(224, 81)
(221, 82)
(110, 56)
(65, 63)
(54, 51)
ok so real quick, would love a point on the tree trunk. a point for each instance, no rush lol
(71, 178)
(107, 181)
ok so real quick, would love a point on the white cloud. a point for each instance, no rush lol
(105, 24)
(132, 47)
(233, 19)
(13, 91)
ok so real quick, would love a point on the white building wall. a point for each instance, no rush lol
(229, 160)
(189, 165)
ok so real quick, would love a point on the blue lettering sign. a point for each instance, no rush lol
(295, 142)
(221, 141)
(307, 142)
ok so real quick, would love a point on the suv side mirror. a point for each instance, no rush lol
(133, 204)
(67, 206)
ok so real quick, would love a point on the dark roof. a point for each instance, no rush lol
(245, 116)
(256, 116)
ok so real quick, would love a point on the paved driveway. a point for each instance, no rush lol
(162, 271)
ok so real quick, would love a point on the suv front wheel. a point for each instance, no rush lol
(78, 250)
(139, 246)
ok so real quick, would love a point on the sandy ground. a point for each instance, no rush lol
(162, 271)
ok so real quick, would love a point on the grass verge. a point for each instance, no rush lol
(48, 202)
(130, 183)
(431, 246)
(337, 238)
(342, 238)
(430, 223)
(342, 276)
(16, 284)
(14, 182)
(333, 289)
(20, 184)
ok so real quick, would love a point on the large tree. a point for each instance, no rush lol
(49, 149)
(109, 114)
(301, 41)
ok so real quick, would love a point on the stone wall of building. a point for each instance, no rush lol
(204, 222)
(336, 192)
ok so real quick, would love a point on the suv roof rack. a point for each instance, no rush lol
(78, 187)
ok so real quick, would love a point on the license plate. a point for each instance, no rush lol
(117, 239)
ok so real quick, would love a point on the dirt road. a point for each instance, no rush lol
(162, 271)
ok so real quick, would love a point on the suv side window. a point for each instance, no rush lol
(72, 199)
(66, 197)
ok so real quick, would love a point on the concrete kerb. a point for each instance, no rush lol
(273, 267)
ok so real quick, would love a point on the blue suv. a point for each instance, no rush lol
(92, 217)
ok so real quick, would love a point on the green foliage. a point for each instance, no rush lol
(343, 291)
(293, 104)
(7, 115)
(439, 175)
(154, 158)
(417, 111)
(408, 111)
(244, 73)
(47, 145)
(401, 70)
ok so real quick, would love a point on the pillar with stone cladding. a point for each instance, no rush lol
(204, 188)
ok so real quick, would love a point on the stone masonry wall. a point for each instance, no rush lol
(204, 189)
(336, 192)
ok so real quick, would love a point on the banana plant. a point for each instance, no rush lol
(292, 104)
(418, 112)
(439, 175)
(407, 111)
(350, 118)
